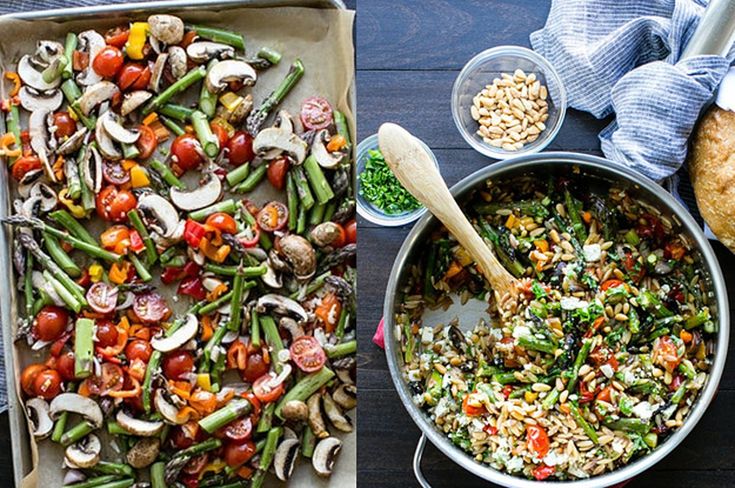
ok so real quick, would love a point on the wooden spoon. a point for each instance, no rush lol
(416, 171)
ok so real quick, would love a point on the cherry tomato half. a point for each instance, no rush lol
(23, 165)
(114, 204)
(238, 454)
(134, 76)
(239, 430)
(308, 354)
(177, 364)
(117, 36)
(195, 465)
(187, 151)
(65, 366)
(47, 384)
(256, 367)
(147, 142)
(114, 173)
(267, 388)
(273, 216)
(150, 307)
(221, 133)
(108, 61)
(138, 349)
(222, 222)
(351, 232)
(102, 297)
(28, 377)
(180, 439)
(65, 125)
(111, 379)
(277, 171)
(240, 148)
(106, 333)
(316, 113)
(50, 323)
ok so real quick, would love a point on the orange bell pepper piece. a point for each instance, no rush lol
(119, 272)
(132, 393)
(203, 401)
(328, 311)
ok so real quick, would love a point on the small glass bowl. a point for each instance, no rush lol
(488, 65)
(369, 211)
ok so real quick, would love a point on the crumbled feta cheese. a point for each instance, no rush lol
(443, 407)
(427, 335)
(592, 252)
(414, 375)
(607, 370)
(514, 464)
(618, 445)
(553, 458)
(521, 331)
(628, 377)
(572, 303)
(644, 410)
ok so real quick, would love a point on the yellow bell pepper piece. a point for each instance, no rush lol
(204, 382)
(95, 272)
(215, 467)
(76, 210)
(139, 177)
(231, 101)
(136, 40)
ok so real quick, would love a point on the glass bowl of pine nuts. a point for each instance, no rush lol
(508, 101)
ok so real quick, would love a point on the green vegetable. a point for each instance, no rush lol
(380, 187)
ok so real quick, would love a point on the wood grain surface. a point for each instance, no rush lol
(409, 53)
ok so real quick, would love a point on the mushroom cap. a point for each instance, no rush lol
(73, 143)
(133, 100)
(166, 409)
(229, 70)
(93, 42)
(321, 154)
(274, 141)
(92, 169)
(144, 452)
(142, 428)
(345, 396)
(300, 254)
(203, 51)
(285, 458)
(335, 415)
(75, 403)
(34, 78)
(96, 94)
(184, 334)
(165, 215)
(166, 28)
(32, 100)
(282, 305)
(116, 131)
(325, 454)
(177, 61)
(38, 413)
(84, 453)
(202, 196)
(157, 72)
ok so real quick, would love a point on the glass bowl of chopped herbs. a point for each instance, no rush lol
(381, 198)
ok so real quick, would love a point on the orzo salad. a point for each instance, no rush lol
(596, 362)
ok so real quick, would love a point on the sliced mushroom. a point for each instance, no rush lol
(203, 196)
(96, 94)
(345, 369)
(39, 140)
(284, 121)
(326, 234)
(184, 334)
(45, 194)
(203, 51)
(105, 143)
(274, 141)
(133, 100)
(168, 29)
(73, 143)
(32, 100)
(157, 72)
(345, 396)
(38, 413)
(32, 77)
(92, 42)
(46, 53)
(161, 215)
(285, 458)
(316, 421)
(295, 410)
(177, 61)
(282, 305)
(293, 328)
(339, 420)
(115, 130)
(144, 452)
(319, 150)
(271, 278)
(72, 402)
(168, 411)
(92, 169)
(300, 255)
(142, 428)
(224, 72)
(84, 453)
(325, 454)
(29, 179)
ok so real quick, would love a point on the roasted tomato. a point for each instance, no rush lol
(108, 62)
(50, 323)
(187, 151)
(114, 204)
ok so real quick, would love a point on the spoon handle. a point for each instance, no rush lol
(414, 168)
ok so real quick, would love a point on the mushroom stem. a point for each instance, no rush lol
(232, 411)
(182, 84)
(257, 118)
(207, 139)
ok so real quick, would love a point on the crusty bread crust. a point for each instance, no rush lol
(712, 171)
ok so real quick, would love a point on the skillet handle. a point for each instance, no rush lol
(417, 456)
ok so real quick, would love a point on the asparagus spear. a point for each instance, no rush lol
(237, 408)
(252, 180)
(237, 175)
(270, 55)
(302, 187)
(75, 433)
(67, 221)
(58, 254)
(236, 302)
(227, 206)
(254, 328)
(273, 338)
(69, 47)
(293, 201)
(69, 299)
(206, 137)
(95, 482)
(256, 119)
(582, 422)
(150, 246)
(178, 112)
(157, 475)
(83, 347)
(320, 185)
(306, 387)
(344, 349)
(207, 99)
(181, 85)
(182, 458)
(578, 362)
(12, 124)
(219, 35)
(106, 467)
(168, 176)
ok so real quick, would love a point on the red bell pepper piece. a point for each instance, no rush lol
(193, 287)
(193, 233)
(136, 242)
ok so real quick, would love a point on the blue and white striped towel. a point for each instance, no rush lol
(622, 56)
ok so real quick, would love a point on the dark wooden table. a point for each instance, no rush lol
(8, 6)
(409, 53)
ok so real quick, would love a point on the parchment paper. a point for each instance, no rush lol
(322, 39)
